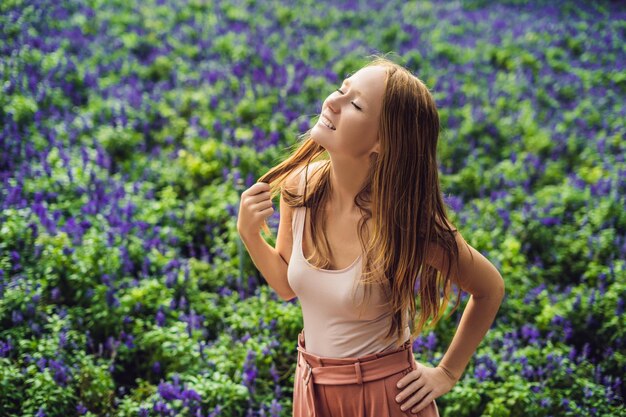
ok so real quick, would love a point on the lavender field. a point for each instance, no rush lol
(128, 130)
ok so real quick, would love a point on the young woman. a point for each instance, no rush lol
(372, 229)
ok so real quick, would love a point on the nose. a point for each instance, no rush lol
(332, 105)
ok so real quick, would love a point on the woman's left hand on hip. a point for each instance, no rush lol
(421, 386)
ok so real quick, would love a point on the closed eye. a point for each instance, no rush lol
(342, 93)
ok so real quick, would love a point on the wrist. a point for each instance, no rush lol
(449, 373)
(247, 236)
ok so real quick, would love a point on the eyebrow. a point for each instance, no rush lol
(347, 81)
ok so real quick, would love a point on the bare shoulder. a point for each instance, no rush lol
(474, 273)
(447, 223)
(312, 170)
(284, 239)
(292, 182)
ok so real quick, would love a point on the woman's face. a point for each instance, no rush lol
(355, 130)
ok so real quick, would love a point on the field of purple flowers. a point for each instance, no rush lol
(128, 130)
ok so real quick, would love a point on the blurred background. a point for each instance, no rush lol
(128, 130)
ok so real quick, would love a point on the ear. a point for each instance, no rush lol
(375, 148)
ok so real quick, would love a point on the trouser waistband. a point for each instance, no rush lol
(342, 371)
(357, 372)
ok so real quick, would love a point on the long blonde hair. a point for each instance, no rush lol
(407, 208)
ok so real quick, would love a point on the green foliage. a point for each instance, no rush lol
(95, 386)
(252, 312)
(22, 108)
(120, 143)
(10, 377)
(128, 124)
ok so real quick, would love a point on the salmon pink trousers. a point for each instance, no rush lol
(353, 387)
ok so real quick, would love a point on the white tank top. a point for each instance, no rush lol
(332, 326)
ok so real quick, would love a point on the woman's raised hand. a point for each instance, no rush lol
(255, 206)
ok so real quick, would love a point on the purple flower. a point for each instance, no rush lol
(216, 411)
(418, 343)
(16, 317)
(60, 374)
(481, 372)
(182, 303)
(530, 333)
(81, 409)
(275, 408)
(586, 350)
(128, 339)
(168, 391)
(5, 348)
(550, 221)
(250, 370)
(619, 309)
(62, 339)
(111, 299)
(274, 373)
(431, 341)
(303, 126)
(160, 318)
(161, 408)
(191, 395)
(41, 364)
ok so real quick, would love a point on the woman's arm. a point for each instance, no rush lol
(478, 277)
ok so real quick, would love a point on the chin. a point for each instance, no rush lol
(314, 139)
(315, 134)
(317, 131)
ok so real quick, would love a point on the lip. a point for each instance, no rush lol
(331, 120)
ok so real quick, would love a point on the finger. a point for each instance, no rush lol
(423, 404)
(410, 389)
(408, 378)
(263, 186)
(413, 392)
(258, 193)
(253, 200)
(261, 205)
(265, 195)
(415, 400)
(257, 188)
(268, 211)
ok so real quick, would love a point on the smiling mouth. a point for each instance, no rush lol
(326, 123)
